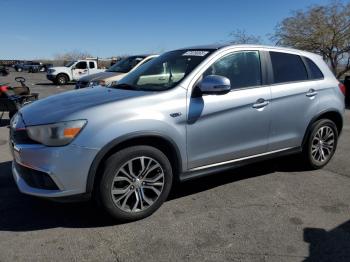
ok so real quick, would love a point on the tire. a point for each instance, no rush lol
(61, 79)
(321, 144)
(122, 203)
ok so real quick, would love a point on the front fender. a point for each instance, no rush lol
(114, 143)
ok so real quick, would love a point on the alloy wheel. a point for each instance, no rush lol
(137, 184)
(61, 80)
(323, 144)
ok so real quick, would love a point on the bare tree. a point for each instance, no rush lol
(241, 37)
(72, 55)
(320, 29)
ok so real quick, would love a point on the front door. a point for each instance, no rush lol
(79, 70)
(234, 125)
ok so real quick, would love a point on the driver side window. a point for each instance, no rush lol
(242, 68)
(81, 65)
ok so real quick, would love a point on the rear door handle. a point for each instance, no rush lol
(260, 103)
(311, 93)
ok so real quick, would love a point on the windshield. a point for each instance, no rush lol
(163, 72)
(70, 64)
(126, 64)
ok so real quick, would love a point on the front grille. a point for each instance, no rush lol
(35, 178)
(20, 136)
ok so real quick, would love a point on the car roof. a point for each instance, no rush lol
(228, 45)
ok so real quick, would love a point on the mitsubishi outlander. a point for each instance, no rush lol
(186, 113)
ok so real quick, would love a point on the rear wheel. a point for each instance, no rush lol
(321, 144)
(61, 79)
(136, 181)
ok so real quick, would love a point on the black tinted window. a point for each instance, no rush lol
(91, 65)
(81, 65)
(287, 67)
(315, 72)
(242, 68)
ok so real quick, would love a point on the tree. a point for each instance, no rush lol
(241, 37)
(72, 55)
(320, 29)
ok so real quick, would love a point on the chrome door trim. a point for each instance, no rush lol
(238, 159)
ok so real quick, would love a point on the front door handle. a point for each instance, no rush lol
(311, 93)
(260, 103)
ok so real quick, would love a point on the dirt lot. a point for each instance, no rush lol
(272, 211)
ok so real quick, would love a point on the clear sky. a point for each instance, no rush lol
(42, 28)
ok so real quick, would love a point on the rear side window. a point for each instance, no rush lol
(315, 72)
(91, 65)
(287, 67)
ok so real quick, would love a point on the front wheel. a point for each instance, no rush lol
(61, 79)
(321, 144)
(136, 182)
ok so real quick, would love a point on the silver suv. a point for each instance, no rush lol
(185, 114)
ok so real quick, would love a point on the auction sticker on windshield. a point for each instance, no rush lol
(195, 53)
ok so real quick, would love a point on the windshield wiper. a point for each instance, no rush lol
(125, 86)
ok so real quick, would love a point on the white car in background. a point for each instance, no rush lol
(115, 72)
(72, 71)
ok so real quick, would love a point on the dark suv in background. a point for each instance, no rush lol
(31, 66)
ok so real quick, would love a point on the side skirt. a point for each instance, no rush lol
(235, 163)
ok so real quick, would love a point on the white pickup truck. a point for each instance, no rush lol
(72, 71)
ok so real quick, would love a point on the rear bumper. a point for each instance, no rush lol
(60, 172)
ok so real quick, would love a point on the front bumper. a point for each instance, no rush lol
(66, 167)
(51, 77)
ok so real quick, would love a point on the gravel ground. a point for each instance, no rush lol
(271, 211)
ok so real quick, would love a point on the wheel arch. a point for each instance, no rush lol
(159, 141)
(62, 73)
(331, 114)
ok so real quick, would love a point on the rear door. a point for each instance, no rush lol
(293, 100)
(234, 125)
(92, 67)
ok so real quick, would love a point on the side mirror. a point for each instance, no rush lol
(215, 85)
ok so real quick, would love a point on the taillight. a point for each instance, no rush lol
(342, 88)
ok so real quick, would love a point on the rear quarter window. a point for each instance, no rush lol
(314, 71)
(287, 67)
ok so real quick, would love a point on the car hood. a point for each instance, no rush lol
(61, 68)
(99, 76)
(60, 107)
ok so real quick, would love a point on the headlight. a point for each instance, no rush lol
(97, 83)
(51, 71)
(58, 134)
